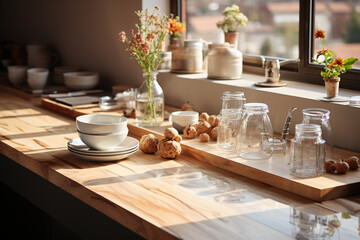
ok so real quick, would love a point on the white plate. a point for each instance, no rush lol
(101, 154)
(128, 144)
(103, 158)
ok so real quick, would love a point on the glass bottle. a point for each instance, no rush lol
(307, 151)
(150, 101)
(230, 115)
(255, 129)
(321, 117)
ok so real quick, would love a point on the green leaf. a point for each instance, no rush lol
(331, 54)
(323, 74)
(347, 66)
(345, 215)
(350, 61)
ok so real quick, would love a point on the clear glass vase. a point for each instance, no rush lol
(150, 101)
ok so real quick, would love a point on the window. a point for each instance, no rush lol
(341, 22)
(283, 29)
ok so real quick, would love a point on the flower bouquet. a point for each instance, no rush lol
(145, 46)
(233, 20)
(332, 67)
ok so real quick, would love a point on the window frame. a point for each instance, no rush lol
(304, 70)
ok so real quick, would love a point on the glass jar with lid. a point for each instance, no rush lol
(307, 151)
(230, 115)
(255, 129)
(321, 117)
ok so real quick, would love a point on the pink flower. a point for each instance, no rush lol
(150, 36)
(122, 36)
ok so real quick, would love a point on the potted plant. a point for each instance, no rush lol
(233, 20)
(175, 31)
(145, 46)
(332, 67)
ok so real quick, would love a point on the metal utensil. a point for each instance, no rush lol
(287, 123)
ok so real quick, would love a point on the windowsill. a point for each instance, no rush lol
(293, 89)
(205, 95)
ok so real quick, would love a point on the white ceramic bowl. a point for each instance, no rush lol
(37, 78)
(101, 123)
(181, 119)
(81, 80)
(17, 74)
(103, 141)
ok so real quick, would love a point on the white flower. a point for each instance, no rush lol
(320, 58)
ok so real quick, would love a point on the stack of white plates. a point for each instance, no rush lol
(125, 149)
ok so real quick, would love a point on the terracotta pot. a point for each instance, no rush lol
(332, 87)
(175, 43)
(232, 38)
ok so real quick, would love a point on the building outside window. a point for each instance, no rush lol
(273, 29)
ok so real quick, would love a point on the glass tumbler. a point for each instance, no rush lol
(321, 117)
(230, 115)
(307, 151)
(255, 132)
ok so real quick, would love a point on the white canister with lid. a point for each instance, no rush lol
(225, 62)
(188, 59)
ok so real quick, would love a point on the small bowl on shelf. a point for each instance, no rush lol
(81, 80)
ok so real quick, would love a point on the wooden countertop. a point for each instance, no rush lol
(173, 199)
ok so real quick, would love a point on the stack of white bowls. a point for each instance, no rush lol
(103, 137)
(102, 131)
(81, 80)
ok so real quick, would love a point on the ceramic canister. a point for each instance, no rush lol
(225, 63)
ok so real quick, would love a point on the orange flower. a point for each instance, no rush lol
(176, 26)
(331, 65)
(322, 52)
(320, 34)
(339, 61)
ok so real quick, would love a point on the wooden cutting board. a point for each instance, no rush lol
(273, 171)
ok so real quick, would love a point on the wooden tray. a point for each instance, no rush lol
(273, 171)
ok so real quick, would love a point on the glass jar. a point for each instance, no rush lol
(321, 117)
(150, 101)
(230, 115)
(255, 129)
(233, 100)
(307, 151)
(228, 128)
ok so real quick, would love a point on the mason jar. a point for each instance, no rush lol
(307, 151)
(321, 117)
(255, 130)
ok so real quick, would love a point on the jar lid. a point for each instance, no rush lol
(215, 45)
(198, 43)
(258, 107)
